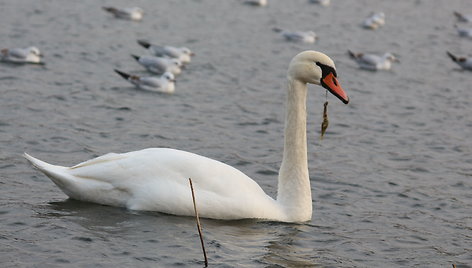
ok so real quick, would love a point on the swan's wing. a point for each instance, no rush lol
(157, 180)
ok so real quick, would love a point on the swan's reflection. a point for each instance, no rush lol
(287, 248)
(243, 243)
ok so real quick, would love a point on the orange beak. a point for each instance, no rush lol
(331, 83)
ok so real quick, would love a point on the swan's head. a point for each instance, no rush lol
(316, 68)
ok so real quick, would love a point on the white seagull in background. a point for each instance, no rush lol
(465, 63)
(374, 20)
(160, 65)
(132, 13)
(324, 3)
(163, 84)
(373, 62)
(21, 55)
(181, 53)
(464, 32)
(463, 17)
(260, 3)
(308, 37)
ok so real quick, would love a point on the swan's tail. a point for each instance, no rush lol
(58, 174)
(41, 165)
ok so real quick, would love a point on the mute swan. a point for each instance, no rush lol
(21, 55)
(132, 13)
(163, 84)
(181, 53)
(156, 179)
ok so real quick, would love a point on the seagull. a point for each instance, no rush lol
(308, 37)
(465, 63)
(163, 84)
(373, 62)
(374, 20)
(324, 3)
(160, 65)
(463, 17)
(260, 3)
(21, 55)
(132, 13)
(464, 32)
(181, 53)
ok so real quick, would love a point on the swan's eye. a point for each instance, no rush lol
(325, 69)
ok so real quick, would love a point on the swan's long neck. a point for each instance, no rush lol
(294, 191)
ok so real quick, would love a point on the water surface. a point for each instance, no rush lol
(391, 180)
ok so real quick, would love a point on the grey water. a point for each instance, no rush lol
(391, 180)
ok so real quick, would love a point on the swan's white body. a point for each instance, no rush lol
(157, 179)
(21, 55)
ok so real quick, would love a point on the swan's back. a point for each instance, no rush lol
(156, 179)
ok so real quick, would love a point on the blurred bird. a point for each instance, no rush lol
(374, 21)
(321, 2)
(463, 17)
(163, 84)
(260, 3)
(181, 53)
(21, 55)
(465, 63)
(373, 62)
(308, 37)
(160, 65)
(132, 13)
(464, 32)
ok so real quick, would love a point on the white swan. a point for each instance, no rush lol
(156, 179)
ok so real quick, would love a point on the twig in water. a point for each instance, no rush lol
(199, 227)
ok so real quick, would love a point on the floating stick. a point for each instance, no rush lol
(199, 227)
